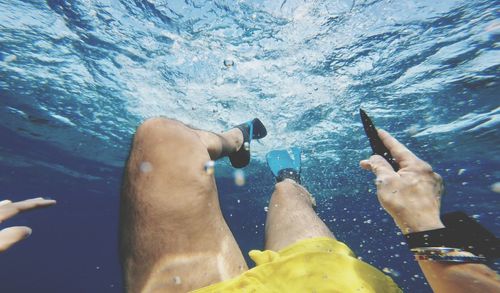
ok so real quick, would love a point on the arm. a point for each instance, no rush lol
(10, 236)
(412, 196)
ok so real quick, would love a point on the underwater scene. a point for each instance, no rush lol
(77, 77)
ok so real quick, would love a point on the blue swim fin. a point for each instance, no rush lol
(285, 164)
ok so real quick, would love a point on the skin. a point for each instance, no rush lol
(173, 237)
(291, 217)
(412, 196)
(8, 209)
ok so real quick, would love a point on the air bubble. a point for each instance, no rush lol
(266, 209)
(177, 280)
(210, 167)
(228, 63)
(10, 58)
(146, 167)
(495, 187)
(246, 145)
(239, 177)
(391, 272)
(412, 130)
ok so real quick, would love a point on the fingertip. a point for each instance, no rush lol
(46, 200)
(384, 134)
(19, 232)
(379, 165)
(382, 131)
(375, 158)
(25, 230)
(29, 231)
(365, 164)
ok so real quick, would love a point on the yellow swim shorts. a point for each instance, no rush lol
(311, 265)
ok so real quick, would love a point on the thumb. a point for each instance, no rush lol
(10, 236)
(379, 166)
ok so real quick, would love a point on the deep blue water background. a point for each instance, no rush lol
(77, 77)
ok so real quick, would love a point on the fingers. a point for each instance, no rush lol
(403, 155)
(9, 209)
(12, 235)
(34, 203)
(365, 164)
(379, 166)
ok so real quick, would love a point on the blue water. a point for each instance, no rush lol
(77, 77)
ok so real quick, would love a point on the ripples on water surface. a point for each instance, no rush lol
(76, 77)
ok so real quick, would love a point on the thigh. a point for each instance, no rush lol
(173, 237)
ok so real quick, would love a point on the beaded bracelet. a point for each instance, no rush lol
(435, 250)
(453, 258)
(441, 254)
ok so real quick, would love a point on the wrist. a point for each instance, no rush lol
(419, 226)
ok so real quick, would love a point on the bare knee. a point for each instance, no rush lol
(157, 128)
(168, 156)
(288, 191)
(285, 188)
(163, 138)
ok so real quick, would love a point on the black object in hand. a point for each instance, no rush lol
(376, 143)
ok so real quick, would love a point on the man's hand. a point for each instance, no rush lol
(412, 196)
(10, 236)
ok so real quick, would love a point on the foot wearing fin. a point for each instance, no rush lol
(253, 129)
(285, 164)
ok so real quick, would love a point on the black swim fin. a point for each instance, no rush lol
(253, 129)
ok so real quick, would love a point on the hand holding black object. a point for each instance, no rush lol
(412, 195)
(376, 143)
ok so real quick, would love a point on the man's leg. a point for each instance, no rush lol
(173, 237)
(291, 217)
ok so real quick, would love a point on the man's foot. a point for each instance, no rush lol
(285, 164)
(251, 130)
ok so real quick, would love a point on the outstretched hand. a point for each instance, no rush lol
(412, 196)
(10, 236)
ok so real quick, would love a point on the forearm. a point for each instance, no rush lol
(449, 277)
(456, 278)
(412, 196)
